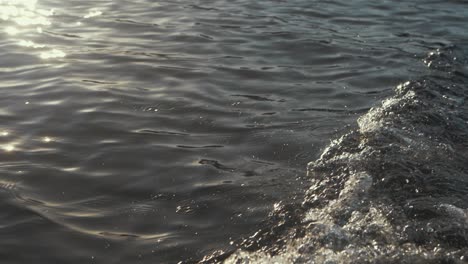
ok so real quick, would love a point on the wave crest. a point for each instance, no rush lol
(396, 188)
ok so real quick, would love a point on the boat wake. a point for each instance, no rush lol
(394, 190)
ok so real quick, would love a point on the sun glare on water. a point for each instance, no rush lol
(9, 148)
(24, 16)
(24, 13)
(93, 14)
(51, 54)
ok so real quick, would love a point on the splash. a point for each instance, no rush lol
(393, 190)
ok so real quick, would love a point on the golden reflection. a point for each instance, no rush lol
(5, 133)
(46, 139)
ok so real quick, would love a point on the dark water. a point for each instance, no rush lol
(161, 131)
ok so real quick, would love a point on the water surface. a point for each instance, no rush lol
(160, 131)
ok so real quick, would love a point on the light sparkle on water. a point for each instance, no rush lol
(52, 54)
(93, 14)
(24, 12)
(8, 147)
(27, 16)
(30, 44)
(11, 31)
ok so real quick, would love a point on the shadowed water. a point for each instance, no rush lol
(161, 131)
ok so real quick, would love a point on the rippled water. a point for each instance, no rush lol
(161, 131)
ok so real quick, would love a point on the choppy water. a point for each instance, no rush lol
(392, 190)
(161, 131)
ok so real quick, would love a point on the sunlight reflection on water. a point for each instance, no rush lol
(24, 12)
(55, 53)
(8, 148)
(26, 17)
(31, 44)
(93, 14)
